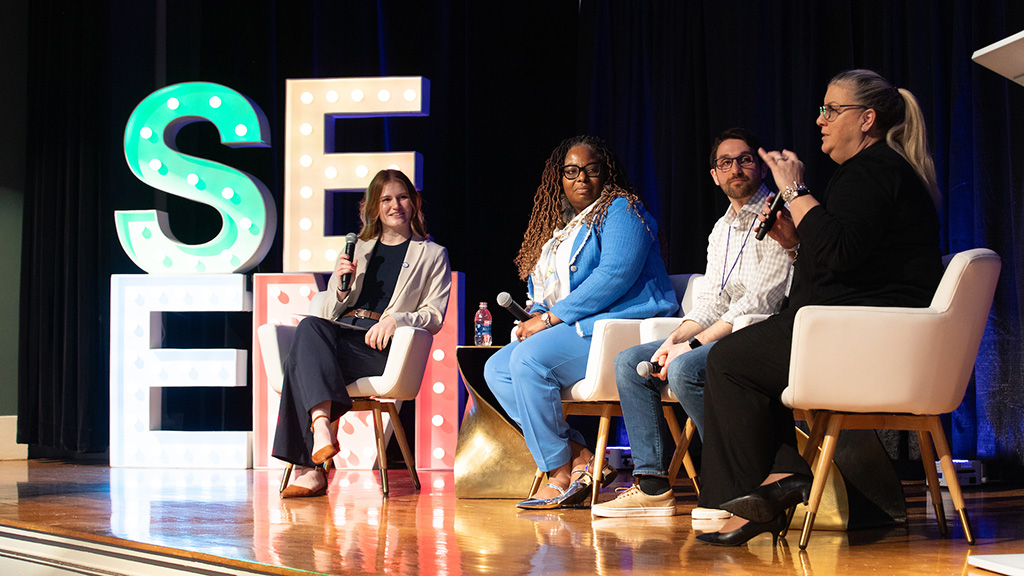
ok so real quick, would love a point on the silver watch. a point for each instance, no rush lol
(793, 192)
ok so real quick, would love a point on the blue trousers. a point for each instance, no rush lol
(527, 379)
(640, 398)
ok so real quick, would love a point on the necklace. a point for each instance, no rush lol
(725, 262)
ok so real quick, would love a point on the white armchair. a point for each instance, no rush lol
(410, 350)
(863, 367)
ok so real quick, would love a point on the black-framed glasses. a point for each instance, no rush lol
(724, 164)
(572, 171)
(830, 111)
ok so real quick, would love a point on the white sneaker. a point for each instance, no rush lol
(709, 514)
(634, 503)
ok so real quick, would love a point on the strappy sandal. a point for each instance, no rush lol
(570, 497)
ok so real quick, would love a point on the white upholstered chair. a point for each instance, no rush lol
(597, 394)
(860, 367)
(410, 350)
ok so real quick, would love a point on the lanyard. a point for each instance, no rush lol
(728, 237)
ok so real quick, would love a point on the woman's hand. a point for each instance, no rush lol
(786, 168)
(784, 231)
(344, 266)
(378, 336)
(533, 325)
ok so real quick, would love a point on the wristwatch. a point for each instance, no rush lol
(793, 192)
(694, 343)
(547, 319)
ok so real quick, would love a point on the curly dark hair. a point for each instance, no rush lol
(551, 209)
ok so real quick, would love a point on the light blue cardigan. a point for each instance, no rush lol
(616, 271)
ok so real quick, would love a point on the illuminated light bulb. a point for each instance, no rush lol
(306, 160)
(304, 290)
(241, 130)
(173, 103)
(332, 96)
(383, 95)
(438, 453)
(305, 223)
(245, 223)
(357, 95)
(439, 483)
(410, 95)
(331, 255)
(307, 97)
(437, 354)
(345, 452)
(306, 129)
(437, 420)
(305, 255)
(438, 387)
(227, 193)
(394, 167)
(146, 132)
(306, 192)
(215, 101)
(226, 255)
(362, 171)
(155, 164)
(192, 179)
(331, 172)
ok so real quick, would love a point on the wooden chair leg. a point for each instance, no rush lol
(538, 479)
(286, 476)
(599, 451)
(924, 442)
(828, 449)
(942, 448)
(382, 459)
(681, 456)
(403, 443)
(817, 424)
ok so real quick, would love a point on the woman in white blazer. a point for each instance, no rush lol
(398, 277)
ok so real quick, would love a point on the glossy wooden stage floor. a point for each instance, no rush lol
(237, 515)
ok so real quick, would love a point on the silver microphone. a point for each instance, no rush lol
(506, 302)
(645, 368)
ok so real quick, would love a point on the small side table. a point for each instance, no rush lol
(491, 458)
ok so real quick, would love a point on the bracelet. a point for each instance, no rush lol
(793, 192)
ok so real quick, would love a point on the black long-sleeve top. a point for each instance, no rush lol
(874, 240)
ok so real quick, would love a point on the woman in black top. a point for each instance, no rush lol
(398, 277)
(872, 240)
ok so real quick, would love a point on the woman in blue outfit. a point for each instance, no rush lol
(590, 252)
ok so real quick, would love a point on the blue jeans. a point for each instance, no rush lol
(640, 398)
(527, 379)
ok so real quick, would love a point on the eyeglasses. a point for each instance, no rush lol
(724, 164)
(830, 111)
(572, 171)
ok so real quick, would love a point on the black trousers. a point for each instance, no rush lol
(748, 432)
(323, 360)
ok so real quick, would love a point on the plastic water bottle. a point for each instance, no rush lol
(482, 326)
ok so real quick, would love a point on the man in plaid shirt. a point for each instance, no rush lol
(744, 276)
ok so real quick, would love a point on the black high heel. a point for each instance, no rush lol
(766, 502)
(743, 534)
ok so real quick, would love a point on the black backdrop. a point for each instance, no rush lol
(508, 81)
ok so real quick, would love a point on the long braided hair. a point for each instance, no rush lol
(551, 209)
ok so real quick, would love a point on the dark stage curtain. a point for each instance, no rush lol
(664, 78)
(508, 81)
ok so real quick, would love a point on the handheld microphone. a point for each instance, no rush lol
(645, 368)
(506, 302)
(350, 249)
(765, 226)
